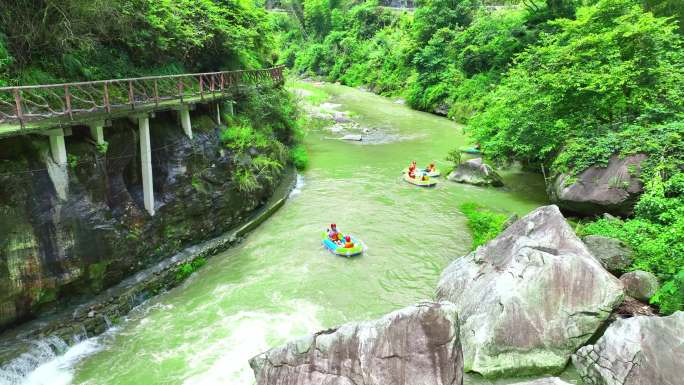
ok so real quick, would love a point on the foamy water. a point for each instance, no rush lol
(50, 361)
(298, 186)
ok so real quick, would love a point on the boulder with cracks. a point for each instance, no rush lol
(416, 345)
(530, 298)
(636, 351)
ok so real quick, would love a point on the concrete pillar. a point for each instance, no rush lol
(184, 112)
(146, 163)
(97, 131)
(57, 146)
(229, 105)
(218, 113)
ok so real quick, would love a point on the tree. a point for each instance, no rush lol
(614, 66)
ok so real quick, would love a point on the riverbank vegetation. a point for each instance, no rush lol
(484, 224)
(77, 40)
(556, 85)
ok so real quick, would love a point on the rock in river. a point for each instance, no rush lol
(613, 254)
(529, 298)
(613, 189)
(418, 345)
(636, 351)
(476, 172)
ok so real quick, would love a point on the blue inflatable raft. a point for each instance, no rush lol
(340, 249)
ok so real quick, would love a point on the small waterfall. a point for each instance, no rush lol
(42, 351)
(298, 186)
(50, 361)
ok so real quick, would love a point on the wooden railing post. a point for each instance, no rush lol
(107, 106)
(156, 94)
(180, 89)
(131, 99)
(67, 97)
(201, 85)
(20, 112)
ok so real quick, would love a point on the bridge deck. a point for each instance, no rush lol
(31, 109)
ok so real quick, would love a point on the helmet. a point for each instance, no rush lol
(332, 225)
(347, 238)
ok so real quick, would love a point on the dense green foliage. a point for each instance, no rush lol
(300, 158)
(562, 84)
(55, 40)
(265, 125)
(613, 71)
(484, 224)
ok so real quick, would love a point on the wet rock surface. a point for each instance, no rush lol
(636, 351)
(613, 189)
(476, 172)
(640, 284)
(416, 345)
(613, 254)
(530, 298)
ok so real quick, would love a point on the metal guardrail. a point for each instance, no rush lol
(23, 104)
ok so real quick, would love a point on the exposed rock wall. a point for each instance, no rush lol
(56, 247)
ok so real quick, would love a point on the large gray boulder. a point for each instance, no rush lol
(636, 351)
(544, 381)
(476, 172)
(417, 345)
(640, 284)
(613, 189)
(529, 298)
(613, 254)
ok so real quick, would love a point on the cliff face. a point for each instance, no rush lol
(67, 232)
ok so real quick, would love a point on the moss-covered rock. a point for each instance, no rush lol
(529, 298)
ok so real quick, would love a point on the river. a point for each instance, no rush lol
(279, 283)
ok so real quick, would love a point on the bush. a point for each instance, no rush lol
(484, 225)
(671, 296)
(246, 181)
(186, 269)
(267, 121)
(132, 37)
(299, 157)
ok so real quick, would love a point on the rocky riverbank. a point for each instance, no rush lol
(68, 232)
(93, 317)
(524, 304)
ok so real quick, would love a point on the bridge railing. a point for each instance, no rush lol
(20, 105)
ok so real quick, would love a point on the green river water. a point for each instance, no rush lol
(280, 283)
